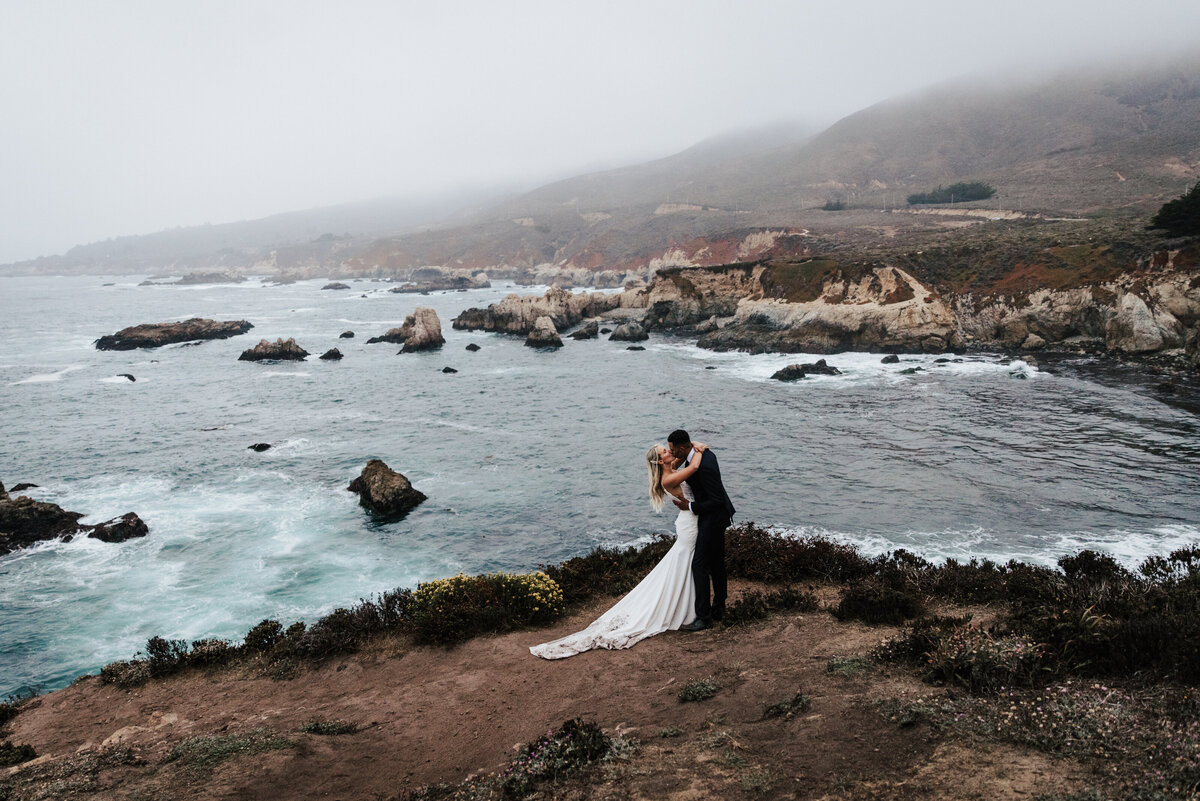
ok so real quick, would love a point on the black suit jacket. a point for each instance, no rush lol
(711, 498)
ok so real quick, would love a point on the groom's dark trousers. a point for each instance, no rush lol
(715, 512)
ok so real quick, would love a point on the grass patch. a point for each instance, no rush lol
(199, 756)
(670, 731)
(847, 666)
(329, 727)
(789, 708)
(698, 691)
(573, 749)
(64, 778)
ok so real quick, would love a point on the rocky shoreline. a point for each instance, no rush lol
(822, 306)
(25, 522)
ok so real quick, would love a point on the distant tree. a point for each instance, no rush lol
(834, 205)
(955, 193)
(1181, 216)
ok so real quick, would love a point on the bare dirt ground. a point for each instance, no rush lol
(428, 715)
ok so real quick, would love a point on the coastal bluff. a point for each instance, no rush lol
(154, 335)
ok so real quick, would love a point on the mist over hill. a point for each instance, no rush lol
(1114, 142)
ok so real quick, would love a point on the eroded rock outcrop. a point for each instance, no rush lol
(518, 315)
(25, 522)
(153, 335)
(589, 330)
(384, 492)
(543, 335)
(422, 330)
(279, 350)
(629, 332)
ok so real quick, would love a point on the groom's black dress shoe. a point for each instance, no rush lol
(696, 625)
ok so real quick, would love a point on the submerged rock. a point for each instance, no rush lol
(472, 347)
(384, 492)
(126, 375)
(25, 522)
(279, 350)
(347, 335)
(336, 285)
(890, 359)
(19, 487)
(587, 331)
(259, 447)
(331, 355)
(794, 372)
(449, 370)
(153, 335)
(543, 335)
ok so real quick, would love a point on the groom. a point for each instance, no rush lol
(715, 512)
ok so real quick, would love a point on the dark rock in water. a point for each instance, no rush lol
(153, 335)
(384, 492)
(394, 335)
(119, 529)
(19, 487)
(629, 332)
(126, 375)
(331, 355)
(449, 370)
(279, 350)
(472, 347)
(605, 330)
(347, 335)
(259, 447)
(794, 372)
(336, 285)
(587, 331)
(710, 368)
(543, 335)
(890, 359)
(635, 347)
(25, 522)
(912, 370)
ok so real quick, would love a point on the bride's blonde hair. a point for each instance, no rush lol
(654, 465)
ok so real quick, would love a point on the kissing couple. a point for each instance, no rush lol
(675, 594)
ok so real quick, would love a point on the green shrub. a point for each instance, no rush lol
(165, 656)
(606, 571)
(874, 601)
(575, 746)
(263, 637)
(756, 605)
(788, 709)
(456, 608)
(983, 662)
(210, 652)
(15, 754)
(919, 638)
(1181, 216)
(758, 554)
(698, 691)
(955, 193)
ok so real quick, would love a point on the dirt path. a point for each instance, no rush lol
(430, 715)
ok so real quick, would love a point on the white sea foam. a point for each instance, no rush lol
(45, 378)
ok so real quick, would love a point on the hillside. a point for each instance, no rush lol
(1111, 143)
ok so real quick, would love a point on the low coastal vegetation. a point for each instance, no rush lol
(1087, 660)
(1090, 616)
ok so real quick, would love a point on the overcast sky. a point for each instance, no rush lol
(127, 117)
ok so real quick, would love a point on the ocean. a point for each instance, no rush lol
(528, 457)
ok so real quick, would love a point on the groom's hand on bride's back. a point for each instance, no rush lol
(682, 504)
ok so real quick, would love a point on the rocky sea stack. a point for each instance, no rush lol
(279, 350)
(25, 522)
(153, 335)
(794, 372)
(422, 330)
(384, 492)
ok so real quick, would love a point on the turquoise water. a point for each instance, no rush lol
(527, 457)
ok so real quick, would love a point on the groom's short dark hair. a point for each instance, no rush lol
(679, 437)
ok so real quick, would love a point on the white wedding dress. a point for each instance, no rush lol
(664, 600)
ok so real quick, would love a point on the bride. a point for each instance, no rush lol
(666, 598)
